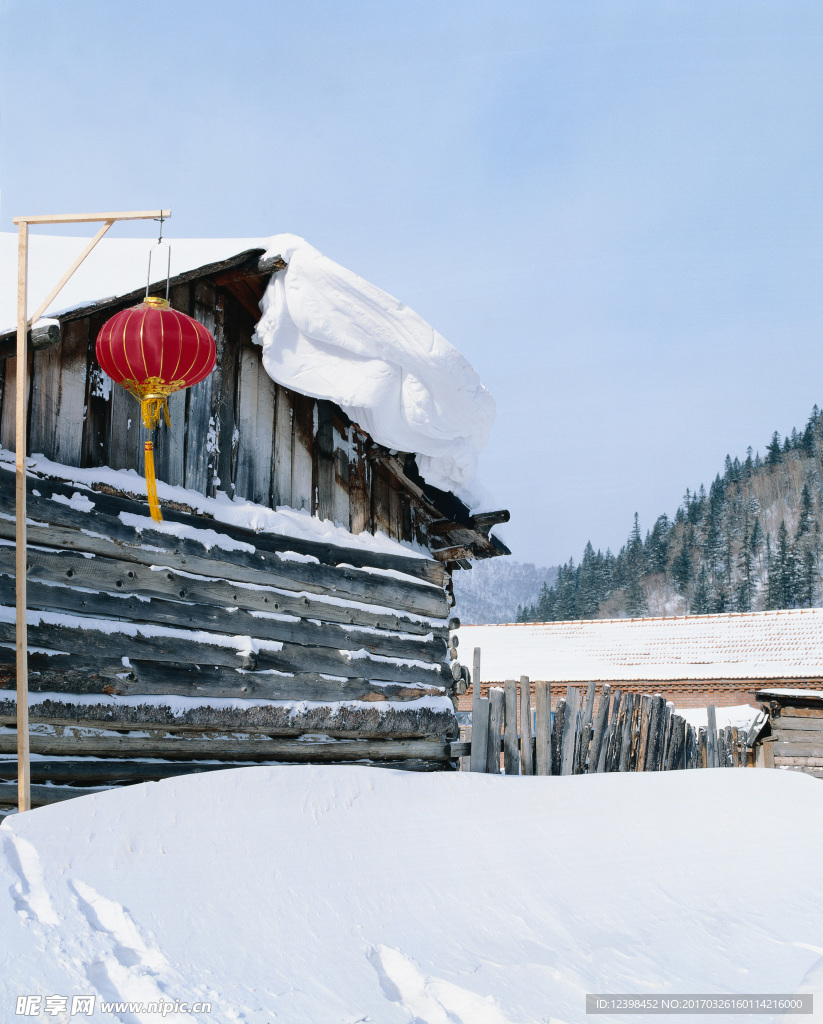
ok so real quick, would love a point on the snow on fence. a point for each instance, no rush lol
(628, 732)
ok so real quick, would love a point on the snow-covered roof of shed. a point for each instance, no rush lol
(325, 332)
(759, 645)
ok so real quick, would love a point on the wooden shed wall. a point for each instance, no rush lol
(237, 430)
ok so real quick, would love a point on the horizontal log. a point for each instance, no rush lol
(814, 711)
(88, 640)
(803, 737)
(809, 749)
(42, 796)
(245, 749)
(80, 772)
(63, 674)
(39, 337)
(796, 761)
(77, 531)
(47, 597)
(116, 576)
(790, 724)
(111, 505)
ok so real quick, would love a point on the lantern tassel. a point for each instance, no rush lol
(152, 409)
(151, 484)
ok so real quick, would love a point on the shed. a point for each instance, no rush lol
(294, 603)
(795, 734)
(692, 660)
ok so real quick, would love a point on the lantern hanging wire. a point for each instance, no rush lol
(168, 262)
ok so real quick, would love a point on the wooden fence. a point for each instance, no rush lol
(627, 732)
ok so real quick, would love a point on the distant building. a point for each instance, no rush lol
(692, 660)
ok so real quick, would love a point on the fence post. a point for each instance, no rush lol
(570, 727)
(496, 713)
(526, 753)
(604, 763)
(585, 734)
(510, 753)
(599, 726)
(542, 728)
(711, 738)
(626, 734)
(480, 734)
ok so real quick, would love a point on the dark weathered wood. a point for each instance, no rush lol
(667, 736)
(72, 675)
(674, 753)
(702, 754)
(604, 763)
(41, 336)
(302, 445)
(626, 734)
(526, 752)
(711, 738)
(480, 734)
(570, 730)
(496, 714)
(325, 460)
(92, 642)
(643, 738)
(691, 746)
(543, 729)
(557, 729)
(510, 744)
(600, 726)
(198, 466)
(657, 724)
(359, 482)
(120, 577)
(101, 605)
(584, 732)
(42, 796)
(81, 772)
(149, 547)
(787, 723)
(240, 749)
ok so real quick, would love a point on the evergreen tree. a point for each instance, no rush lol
(702, 600)
(774, 451)
(681, 570)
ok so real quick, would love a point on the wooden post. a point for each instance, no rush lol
(599, 726)
(526, 758)
(480, 735)
(511, 761)
(496, 713)
(711, 738)
(475, 681)
(626, 735)
(21, 414)
(735, 747)
(557, 737)
(702, 754)
(570, 730)
(643, 739)
(21, 633)
(604, 763)
(542, 728)
(582, 753)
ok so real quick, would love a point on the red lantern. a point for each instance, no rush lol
(153, 350)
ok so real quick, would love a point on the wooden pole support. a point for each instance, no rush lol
(21, 410)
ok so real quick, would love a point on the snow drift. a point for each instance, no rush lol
(308, 894)
(328, 333)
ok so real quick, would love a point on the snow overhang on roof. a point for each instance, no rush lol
(325, 332)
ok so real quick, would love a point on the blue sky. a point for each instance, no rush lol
(612, 208)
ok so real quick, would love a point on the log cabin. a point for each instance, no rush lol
(293, 606)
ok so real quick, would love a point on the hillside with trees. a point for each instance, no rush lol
(493, 590)
(752, 542)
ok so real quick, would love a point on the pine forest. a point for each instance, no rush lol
(753, 542)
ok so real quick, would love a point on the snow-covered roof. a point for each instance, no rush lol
(759, 645)
(325, 332)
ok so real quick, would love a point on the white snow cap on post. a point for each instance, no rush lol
(329, 334)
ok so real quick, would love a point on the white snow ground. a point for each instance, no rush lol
(353, 894)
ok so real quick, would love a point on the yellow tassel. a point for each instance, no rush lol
(151, 484)
(152, 409)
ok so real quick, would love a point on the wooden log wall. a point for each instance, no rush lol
(626, 733)
(237, 430)
(186, 636)
(796, 739)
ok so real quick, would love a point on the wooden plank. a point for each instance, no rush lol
(667, 736)
(342, 507)
(324, 448)
(282, 454)
(810, 712)
(793, 761)
(526, 753)
(786, 723)
(802, 736)
(45, 399)
(198, 464)
(71, 396)
(380, 509)
(643, 739)
(359, 482)
(247, 373)
(302, 449)
(511, 753)
(796, 748)
(711, 738)
(82, 772)
(691, 747)
(656, 721)
(585, 732)
(496, 714)
(600, 726)
(127, 433)
(542, 729)
(42, 796)
(570, 730)
(735, 747)
(243, 748)
(480, 735)
(626, 734)
(121, 577)
(604, 763)
(8, 412)
(557, 728)
(224, 389)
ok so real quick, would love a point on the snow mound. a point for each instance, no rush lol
(306, 894)
(328, 333)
